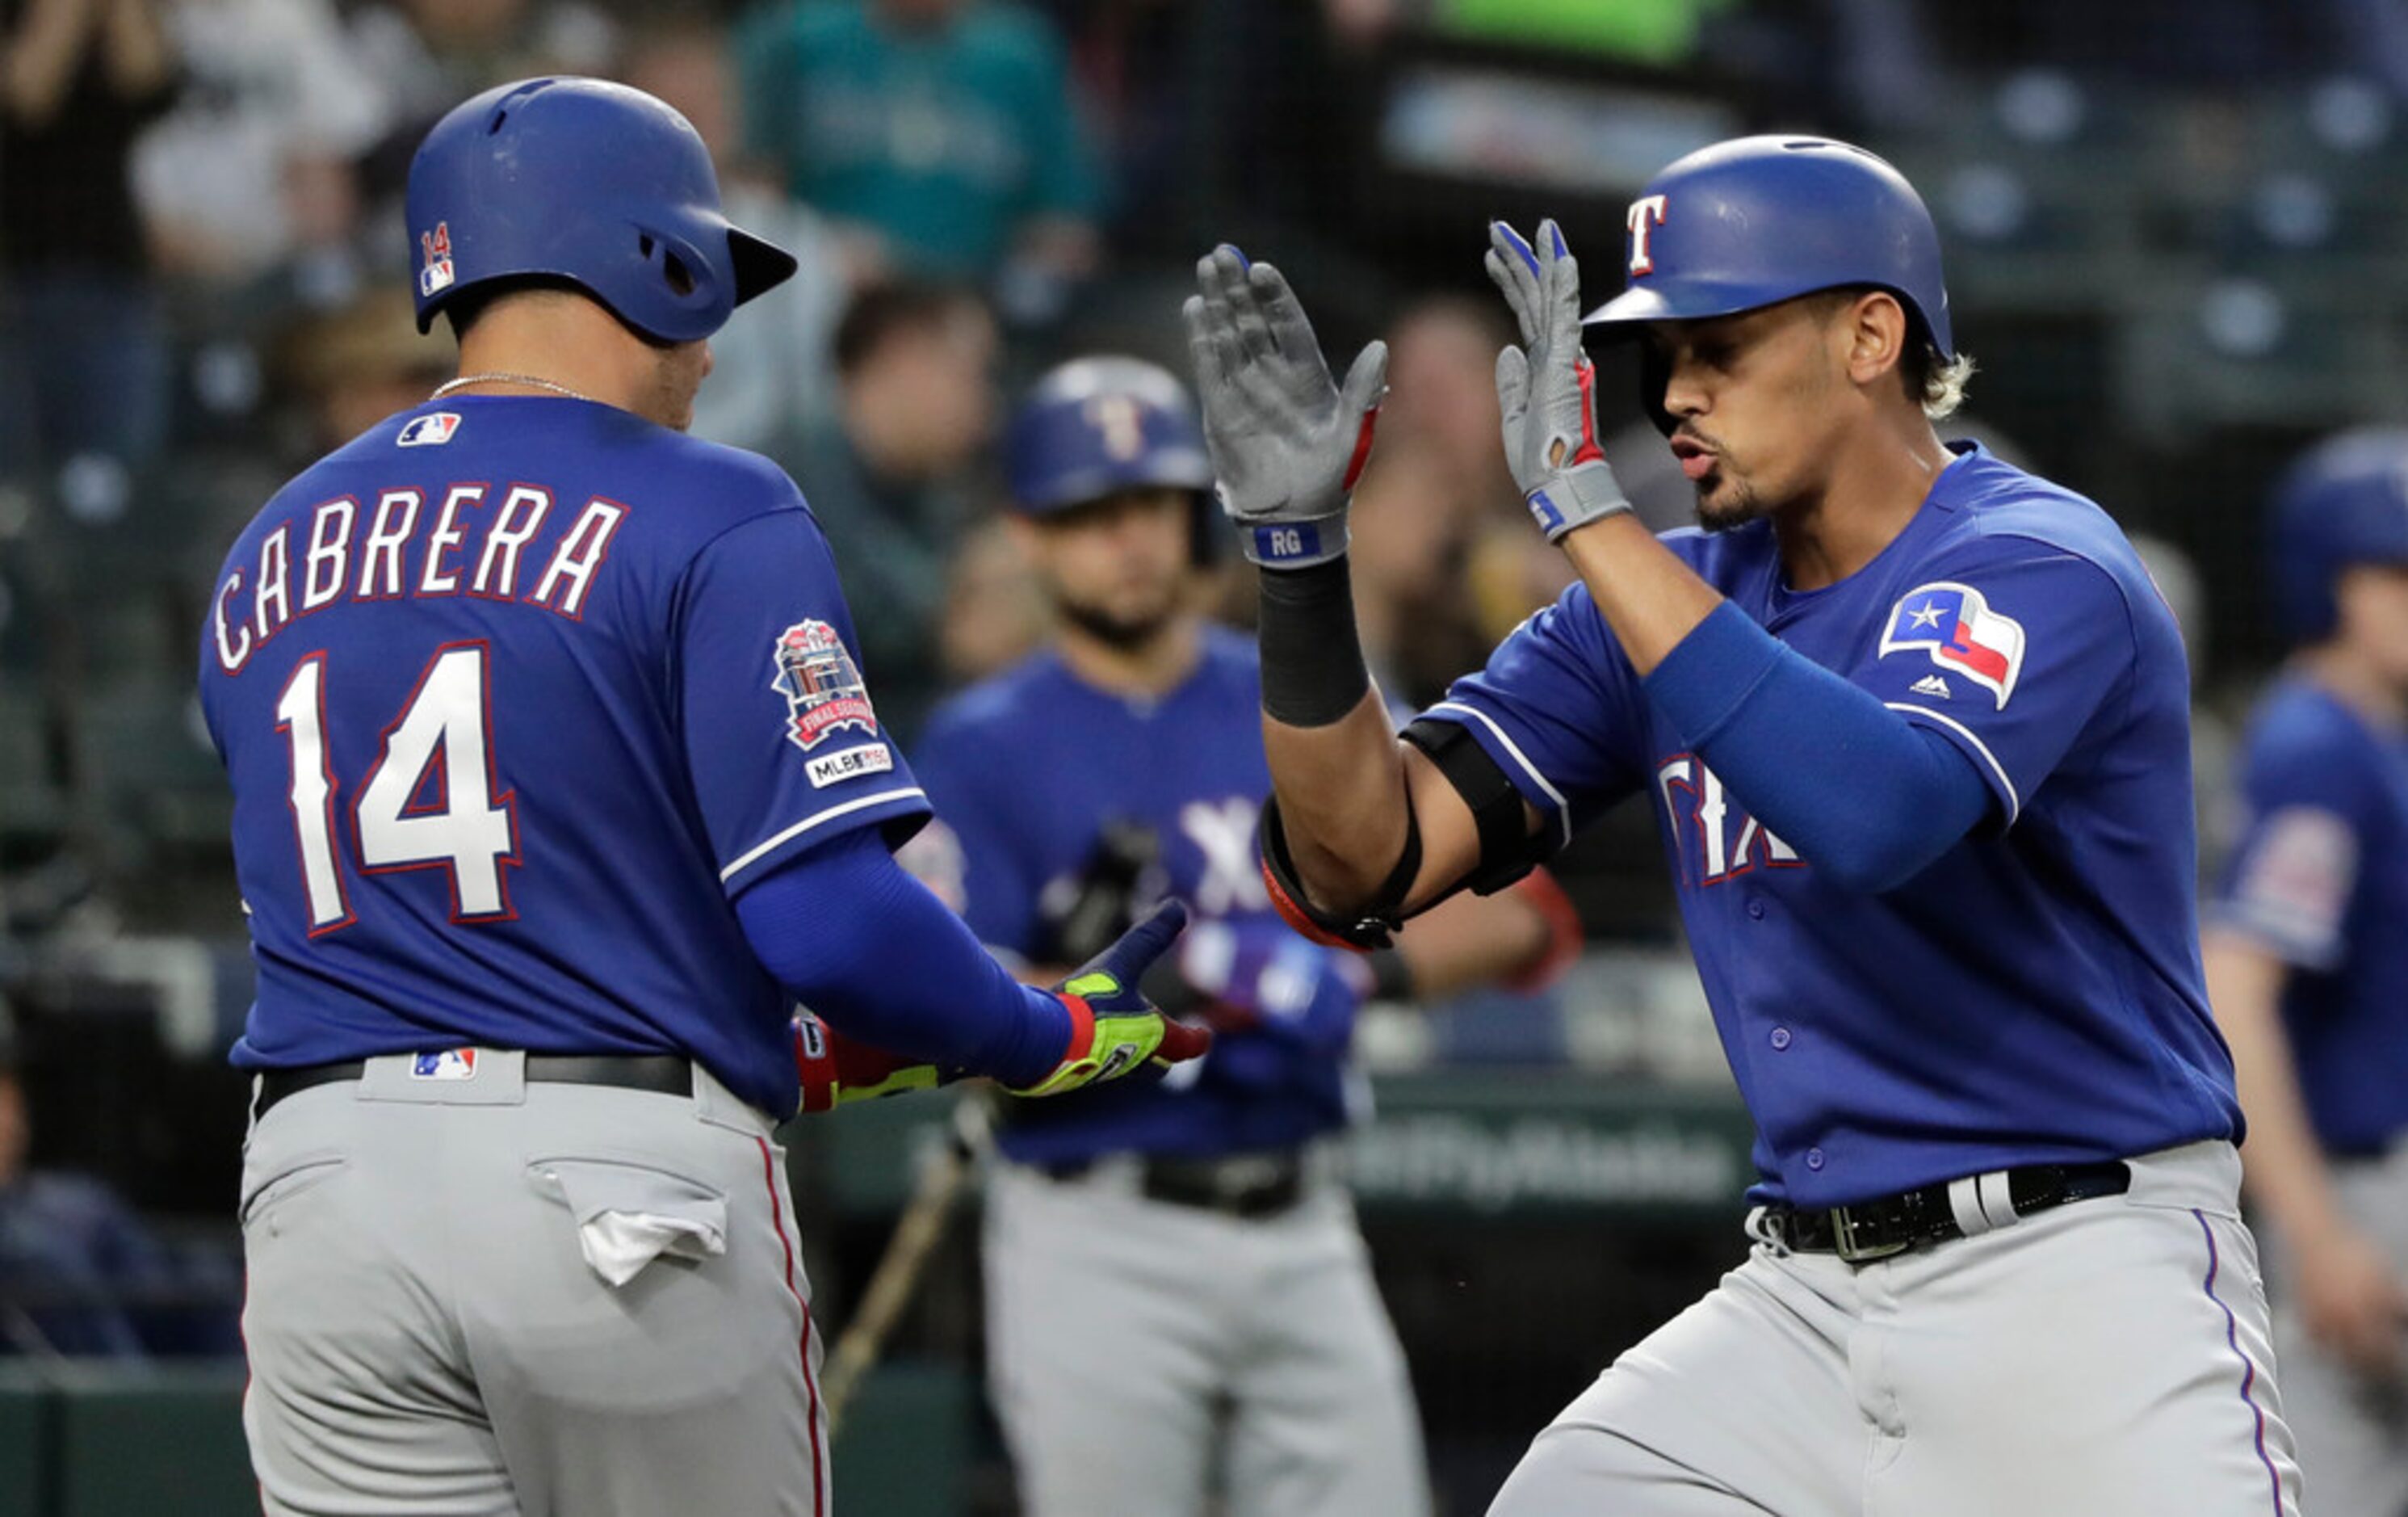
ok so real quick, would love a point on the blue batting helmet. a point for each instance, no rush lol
(1758, 220)
(1095, 426)
(2344, 502)
(590, 183)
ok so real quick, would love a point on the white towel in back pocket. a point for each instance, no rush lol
(628, 1214)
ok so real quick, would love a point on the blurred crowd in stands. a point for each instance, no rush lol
(2171, 246)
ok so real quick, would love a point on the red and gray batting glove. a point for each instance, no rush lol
(1115, 1032)
(1287, 442)
(1547, 387)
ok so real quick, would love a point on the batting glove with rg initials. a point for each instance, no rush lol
(1287, 444)
(1547, 387)
(1115, 1032)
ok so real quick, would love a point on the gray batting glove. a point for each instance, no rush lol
(1286, 443)
(1549, 392)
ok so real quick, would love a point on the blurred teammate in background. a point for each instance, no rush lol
(1185, 1255)
(2307, 964)
(888, 469)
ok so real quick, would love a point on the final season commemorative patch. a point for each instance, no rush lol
(821, 687)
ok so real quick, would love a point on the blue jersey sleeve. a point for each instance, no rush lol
(2293, 872)
(2011, 652)
(779, 734)
(1560, 710)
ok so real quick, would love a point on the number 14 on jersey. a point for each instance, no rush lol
(428, 801)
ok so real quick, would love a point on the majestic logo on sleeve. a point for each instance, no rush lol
(434, 259)
(823, 688)
(1961, 633)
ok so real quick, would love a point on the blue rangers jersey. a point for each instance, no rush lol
(1026, 771)
(2319, 879)
(515, 695)
(2035, 995)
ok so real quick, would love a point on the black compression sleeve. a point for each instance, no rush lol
(1312, 660)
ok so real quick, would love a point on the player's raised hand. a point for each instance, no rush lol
(1114, 1031)
(1547, 387)
(1287, 442)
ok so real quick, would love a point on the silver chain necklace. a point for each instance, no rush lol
(498, 377)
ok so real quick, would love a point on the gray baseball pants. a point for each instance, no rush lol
(427, 1336)
(2107, 1358)
(2353, 1427)
(1144, 1354)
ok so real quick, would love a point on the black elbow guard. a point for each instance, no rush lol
(1507, 850)
(1368, 928)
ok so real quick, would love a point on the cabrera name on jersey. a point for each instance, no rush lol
(516, 694)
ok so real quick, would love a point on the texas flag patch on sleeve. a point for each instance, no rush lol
(1962, 634)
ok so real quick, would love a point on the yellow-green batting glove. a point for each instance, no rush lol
(1114, 1031)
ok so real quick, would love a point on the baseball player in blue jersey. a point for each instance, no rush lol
(2307, 966)
(556, 785)
(1184, 1254)
(1914, 726)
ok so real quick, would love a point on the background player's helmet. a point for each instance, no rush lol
(1758, 220)
(2345, 502)
(593, 183)
(1094, 426)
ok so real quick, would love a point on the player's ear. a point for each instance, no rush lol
(1874, 330)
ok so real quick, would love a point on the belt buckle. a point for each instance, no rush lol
(1844, 1244)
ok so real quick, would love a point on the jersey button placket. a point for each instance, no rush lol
(1755, 908)
(1815, 1158)
(1780, 1040)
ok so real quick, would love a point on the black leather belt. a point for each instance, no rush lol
(1251, 1185)
(663, 1072)
(1894, 1224)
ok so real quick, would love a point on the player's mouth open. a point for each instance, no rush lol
(1696, 459)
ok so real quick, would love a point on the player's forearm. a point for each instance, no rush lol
(1341, 797)
(1326, 734)
(2283, 1166)
(1650, 599)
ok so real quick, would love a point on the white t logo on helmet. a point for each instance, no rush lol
(1647, 214)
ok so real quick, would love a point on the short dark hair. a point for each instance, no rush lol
(466, 309)
(879, 312)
